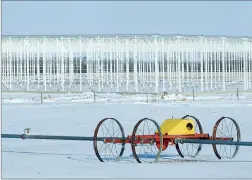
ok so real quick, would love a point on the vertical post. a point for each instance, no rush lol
(127, 65)
(201, 65)
(156, 65)
(178, 51)
(211, 65)
(135, 59)
(10, 64)
(44, 63)
(62, 66)
(206, 57)
(102, 60)
(223, 63)
(163, 64)
(147, 97)
(98, 63)
(237, 93)
(117, 64)
(94, 97)
(80, 62)
(245, 65)
(193, 94)
(27, 55)
(41, 98)
(38, 63)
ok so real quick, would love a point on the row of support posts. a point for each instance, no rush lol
(126, 64)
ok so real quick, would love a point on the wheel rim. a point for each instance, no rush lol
(109, 128)
(226, 127)
(146, 152)
(190, 150)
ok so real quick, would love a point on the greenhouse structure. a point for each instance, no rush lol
(126, 63)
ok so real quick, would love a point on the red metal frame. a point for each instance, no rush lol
(167, 139)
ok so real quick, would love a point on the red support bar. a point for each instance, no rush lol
(147, 139)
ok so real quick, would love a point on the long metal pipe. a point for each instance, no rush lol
(66, 138)
(83, 138)
(220, 142)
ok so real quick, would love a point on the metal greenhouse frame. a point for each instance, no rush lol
(126, 63)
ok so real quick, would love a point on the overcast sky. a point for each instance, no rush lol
(80, 18)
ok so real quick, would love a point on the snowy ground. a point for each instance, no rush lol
(77, 114)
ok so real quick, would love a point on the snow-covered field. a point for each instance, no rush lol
(77, 114)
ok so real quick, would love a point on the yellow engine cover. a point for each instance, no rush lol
(178, 127)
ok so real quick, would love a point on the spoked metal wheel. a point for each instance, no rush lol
(146, 141)
(226, 128)
(109, 129)
(191, 150)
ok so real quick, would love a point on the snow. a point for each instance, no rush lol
(77, 114)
